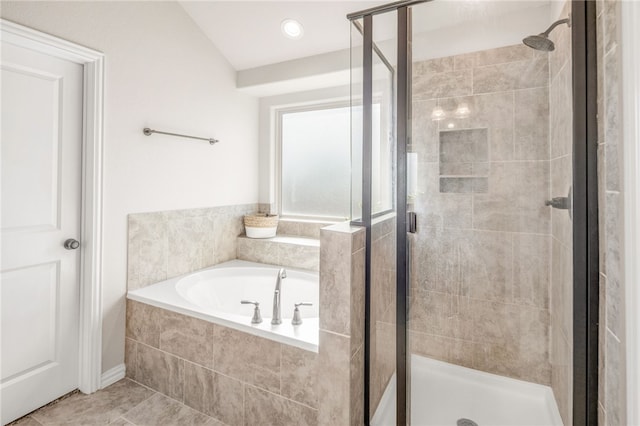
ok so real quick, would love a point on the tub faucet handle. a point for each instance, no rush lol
(257, 318)
(297, 318)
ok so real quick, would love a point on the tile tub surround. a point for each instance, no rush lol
(163, 245)
(234, 377)
(481, 266)
(282, 250)
(213, 294)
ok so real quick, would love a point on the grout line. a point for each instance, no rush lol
(283, 397)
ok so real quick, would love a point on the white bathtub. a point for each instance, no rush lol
(214, 295)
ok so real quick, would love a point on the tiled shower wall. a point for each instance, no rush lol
(166, 244)
(481, 257)
(383, 307)
(611, 393)
(561, 142)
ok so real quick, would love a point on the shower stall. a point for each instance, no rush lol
(474, 174)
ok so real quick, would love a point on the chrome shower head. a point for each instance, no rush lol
(541, 41)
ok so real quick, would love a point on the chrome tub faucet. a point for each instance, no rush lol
(277, 308)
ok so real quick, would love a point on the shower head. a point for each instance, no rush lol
(541, 41)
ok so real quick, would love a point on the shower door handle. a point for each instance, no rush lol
(412, 222)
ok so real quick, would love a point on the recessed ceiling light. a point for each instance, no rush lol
(292, 28)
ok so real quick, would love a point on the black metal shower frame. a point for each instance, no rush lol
(585, 203)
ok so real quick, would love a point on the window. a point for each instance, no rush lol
(316, 162)
(315, 168)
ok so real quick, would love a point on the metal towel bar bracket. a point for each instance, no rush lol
(148, 132)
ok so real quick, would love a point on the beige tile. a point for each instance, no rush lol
(455, 351)
(160, 410)
(614, 225)
(130, 358)
(268, 409)
(516, 198)
(357, 300)
(335, 281)
(531, 269)
(121, 421)
(433, 66)
(160, 371)
(227, 227)
(500, 55)
(510, 76)
(437, 314)
(26, 421)
(384, 363)
(602, 334)
(442, 85)
(611, 33)
(512, 340)
(357, 238)
(562, 287)
(190, 244)
(187, 337)
(102, 407)
(493, 111)
(333, 379)
(614, 380)
(437, 258)
(531, 139)
(561, 182)
(561, 56)
(214, 394)
(464, 61)
(261, 251)
(147, 249)
(299, 375)
(436, 209)
(143, 323)
(248, 358)
(424, 131)
(561, 377)
(357, 387)
(298, 256)
(486, 269)
(612, 121)
(560, 114)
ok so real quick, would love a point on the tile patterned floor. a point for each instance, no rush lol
(123, 403)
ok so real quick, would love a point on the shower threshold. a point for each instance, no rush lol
(444, 394)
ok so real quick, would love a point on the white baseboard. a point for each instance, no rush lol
(112, 375)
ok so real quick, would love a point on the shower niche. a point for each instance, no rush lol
(464, 161)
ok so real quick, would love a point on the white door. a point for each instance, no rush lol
(40, 196)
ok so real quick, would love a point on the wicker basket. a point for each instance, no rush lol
(261, 225)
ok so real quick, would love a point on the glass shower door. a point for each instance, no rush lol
(374, 199)
(490, 292)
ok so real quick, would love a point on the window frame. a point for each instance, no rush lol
(279, 113)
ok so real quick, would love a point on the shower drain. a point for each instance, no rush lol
(466, 422)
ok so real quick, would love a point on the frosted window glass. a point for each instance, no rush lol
(316, 163)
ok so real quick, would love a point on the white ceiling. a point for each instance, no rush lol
(248, 32)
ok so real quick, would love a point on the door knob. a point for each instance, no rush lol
(71, 244)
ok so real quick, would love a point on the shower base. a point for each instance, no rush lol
(443, 394)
